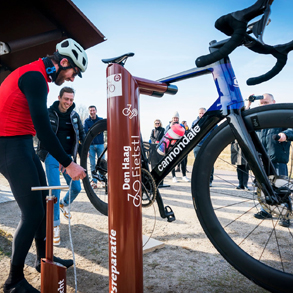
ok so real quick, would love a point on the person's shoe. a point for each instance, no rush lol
(65, 262)
(174, 179)
(240, 187)
(263, 215)
(56, 236)
(247, 188)
(65, 211)
(21, 286)
(184, 178)
(284, 223)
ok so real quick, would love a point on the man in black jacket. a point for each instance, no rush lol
(277, 150)
(66, 123)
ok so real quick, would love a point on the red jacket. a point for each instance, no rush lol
(15, 118)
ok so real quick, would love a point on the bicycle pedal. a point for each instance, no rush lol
(169, 214)
(98, 177)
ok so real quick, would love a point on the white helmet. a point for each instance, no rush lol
(75, 51)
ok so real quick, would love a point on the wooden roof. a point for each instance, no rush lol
(32, 28)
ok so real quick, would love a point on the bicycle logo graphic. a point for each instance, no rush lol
(114, 85)
(111, 88)
(129, 112)
(136, 198)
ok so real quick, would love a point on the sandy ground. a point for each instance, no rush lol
(187, 263)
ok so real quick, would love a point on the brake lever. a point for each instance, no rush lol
(280, 52)
(234, 25)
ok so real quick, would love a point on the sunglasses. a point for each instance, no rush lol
(75, 72)
(157, 123)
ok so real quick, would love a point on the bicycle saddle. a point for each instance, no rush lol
(119, 60)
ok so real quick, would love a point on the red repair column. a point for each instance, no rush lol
(124, 171)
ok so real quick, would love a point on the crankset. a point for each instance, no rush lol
(149, 188)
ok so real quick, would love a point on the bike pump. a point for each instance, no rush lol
(53, 274)
(124, 171)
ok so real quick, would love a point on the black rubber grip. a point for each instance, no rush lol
(228, 25)
(267, 76)
(280, 52)
(234, 25)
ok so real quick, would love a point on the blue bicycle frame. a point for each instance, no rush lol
(228, 105)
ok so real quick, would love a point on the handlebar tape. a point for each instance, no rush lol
(230, 26)
(280, 52)
(234, 25)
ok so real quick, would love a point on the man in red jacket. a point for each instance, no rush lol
(23, 114)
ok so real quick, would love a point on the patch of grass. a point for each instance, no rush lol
(5, 244)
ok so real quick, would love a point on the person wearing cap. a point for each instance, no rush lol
(175, 120)
(23, 114)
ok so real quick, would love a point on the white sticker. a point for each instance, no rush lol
(114, 85)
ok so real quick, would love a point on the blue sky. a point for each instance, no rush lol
(167, 37)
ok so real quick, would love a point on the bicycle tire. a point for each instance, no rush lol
(98, 197)
(250, 252)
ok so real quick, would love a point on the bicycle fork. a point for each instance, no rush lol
(247, 143)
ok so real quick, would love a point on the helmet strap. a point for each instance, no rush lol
(50, 68)
(64, 67)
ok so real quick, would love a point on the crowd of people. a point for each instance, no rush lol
(159, 133)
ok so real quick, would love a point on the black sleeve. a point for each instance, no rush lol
(81, 135)
(34, 87)
(85, 127)
(81, 130)
(153, 140)
(161, 134)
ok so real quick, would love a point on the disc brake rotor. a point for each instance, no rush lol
(283, 210)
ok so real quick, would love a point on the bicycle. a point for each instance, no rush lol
(264, 254)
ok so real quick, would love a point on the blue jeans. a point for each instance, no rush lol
(53, 177)
(95, 149)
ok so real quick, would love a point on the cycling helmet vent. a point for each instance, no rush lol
(65, 44)
(75, 51)
(77, 48)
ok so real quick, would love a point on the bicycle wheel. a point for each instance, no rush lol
(259, 249)
(98, 196)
